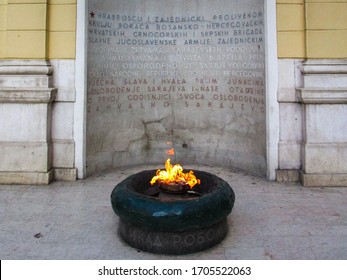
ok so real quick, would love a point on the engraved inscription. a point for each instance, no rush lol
(149, 239)
(188, 57)
(140, 46)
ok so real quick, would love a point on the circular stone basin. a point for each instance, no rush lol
(157, 221)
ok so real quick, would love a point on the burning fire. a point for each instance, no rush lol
(175, 174)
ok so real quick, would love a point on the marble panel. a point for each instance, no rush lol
(188, 75)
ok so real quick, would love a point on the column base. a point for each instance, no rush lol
(287, 175)
(323, 179)
(26, 178)
(65, 174)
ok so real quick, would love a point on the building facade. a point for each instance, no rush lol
(43, 91)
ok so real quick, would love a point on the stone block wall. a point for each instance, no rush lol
(63, 119)
(291, 29)
(312, 29)
(26, 96)
(290, 120)
(324, 103)
(313, 101)
(312, 46)
(326, 28)
(37, 90)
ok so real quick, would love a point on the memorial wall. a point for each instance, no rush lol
(182, 76)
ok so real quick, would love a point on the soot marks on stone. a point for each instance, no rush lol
(158, 130)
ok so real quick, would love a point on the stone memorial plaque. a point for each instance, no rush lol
(183, 75)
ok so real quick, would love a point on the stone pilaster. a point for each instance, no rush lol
(290, 120)
(324, 100)
(26, 96)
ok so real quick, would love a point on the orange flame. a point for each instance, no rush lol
(170, 152)
(175, 174)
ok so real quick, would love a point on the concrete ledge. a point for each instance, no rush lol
(65, 174)
(26, 178)
(323, 180)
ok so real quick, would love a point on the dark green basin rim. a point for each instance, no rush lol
(150, 213)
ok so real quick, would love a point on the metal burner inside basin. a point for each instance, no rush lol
(174, 188)
(165, 222)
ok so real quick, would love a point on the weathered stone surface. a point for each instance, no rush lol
(25, 74)
(287, 175)
(26, 178)
(26, 96)
(323, 179)
(65, 174)
(63, 120)
(64, 79)
(324, 98)
(325, 73)
(25, 156)
(187, 75)
(63, 151)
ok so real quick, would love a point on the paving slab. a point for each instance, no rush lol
(270, 220)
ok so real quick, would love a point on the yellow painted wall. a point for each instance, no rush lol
(25, 35)
(291, 28)
(326, 28)
(312, 28)
(3, 20)
(37, 29)
(61, 28)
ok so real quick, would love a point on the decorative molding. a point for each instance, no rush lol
(322, 96)
(25, 67)
(324, 66)
(27, 95)
(25, 74)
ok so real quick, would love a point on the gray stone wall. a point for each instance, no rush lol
(26, 96)
(187, 75)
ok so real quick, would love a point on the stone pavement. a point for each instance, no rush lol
(270, 220)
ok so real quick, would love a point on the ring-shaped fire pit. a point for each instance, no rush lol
(155, 220)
